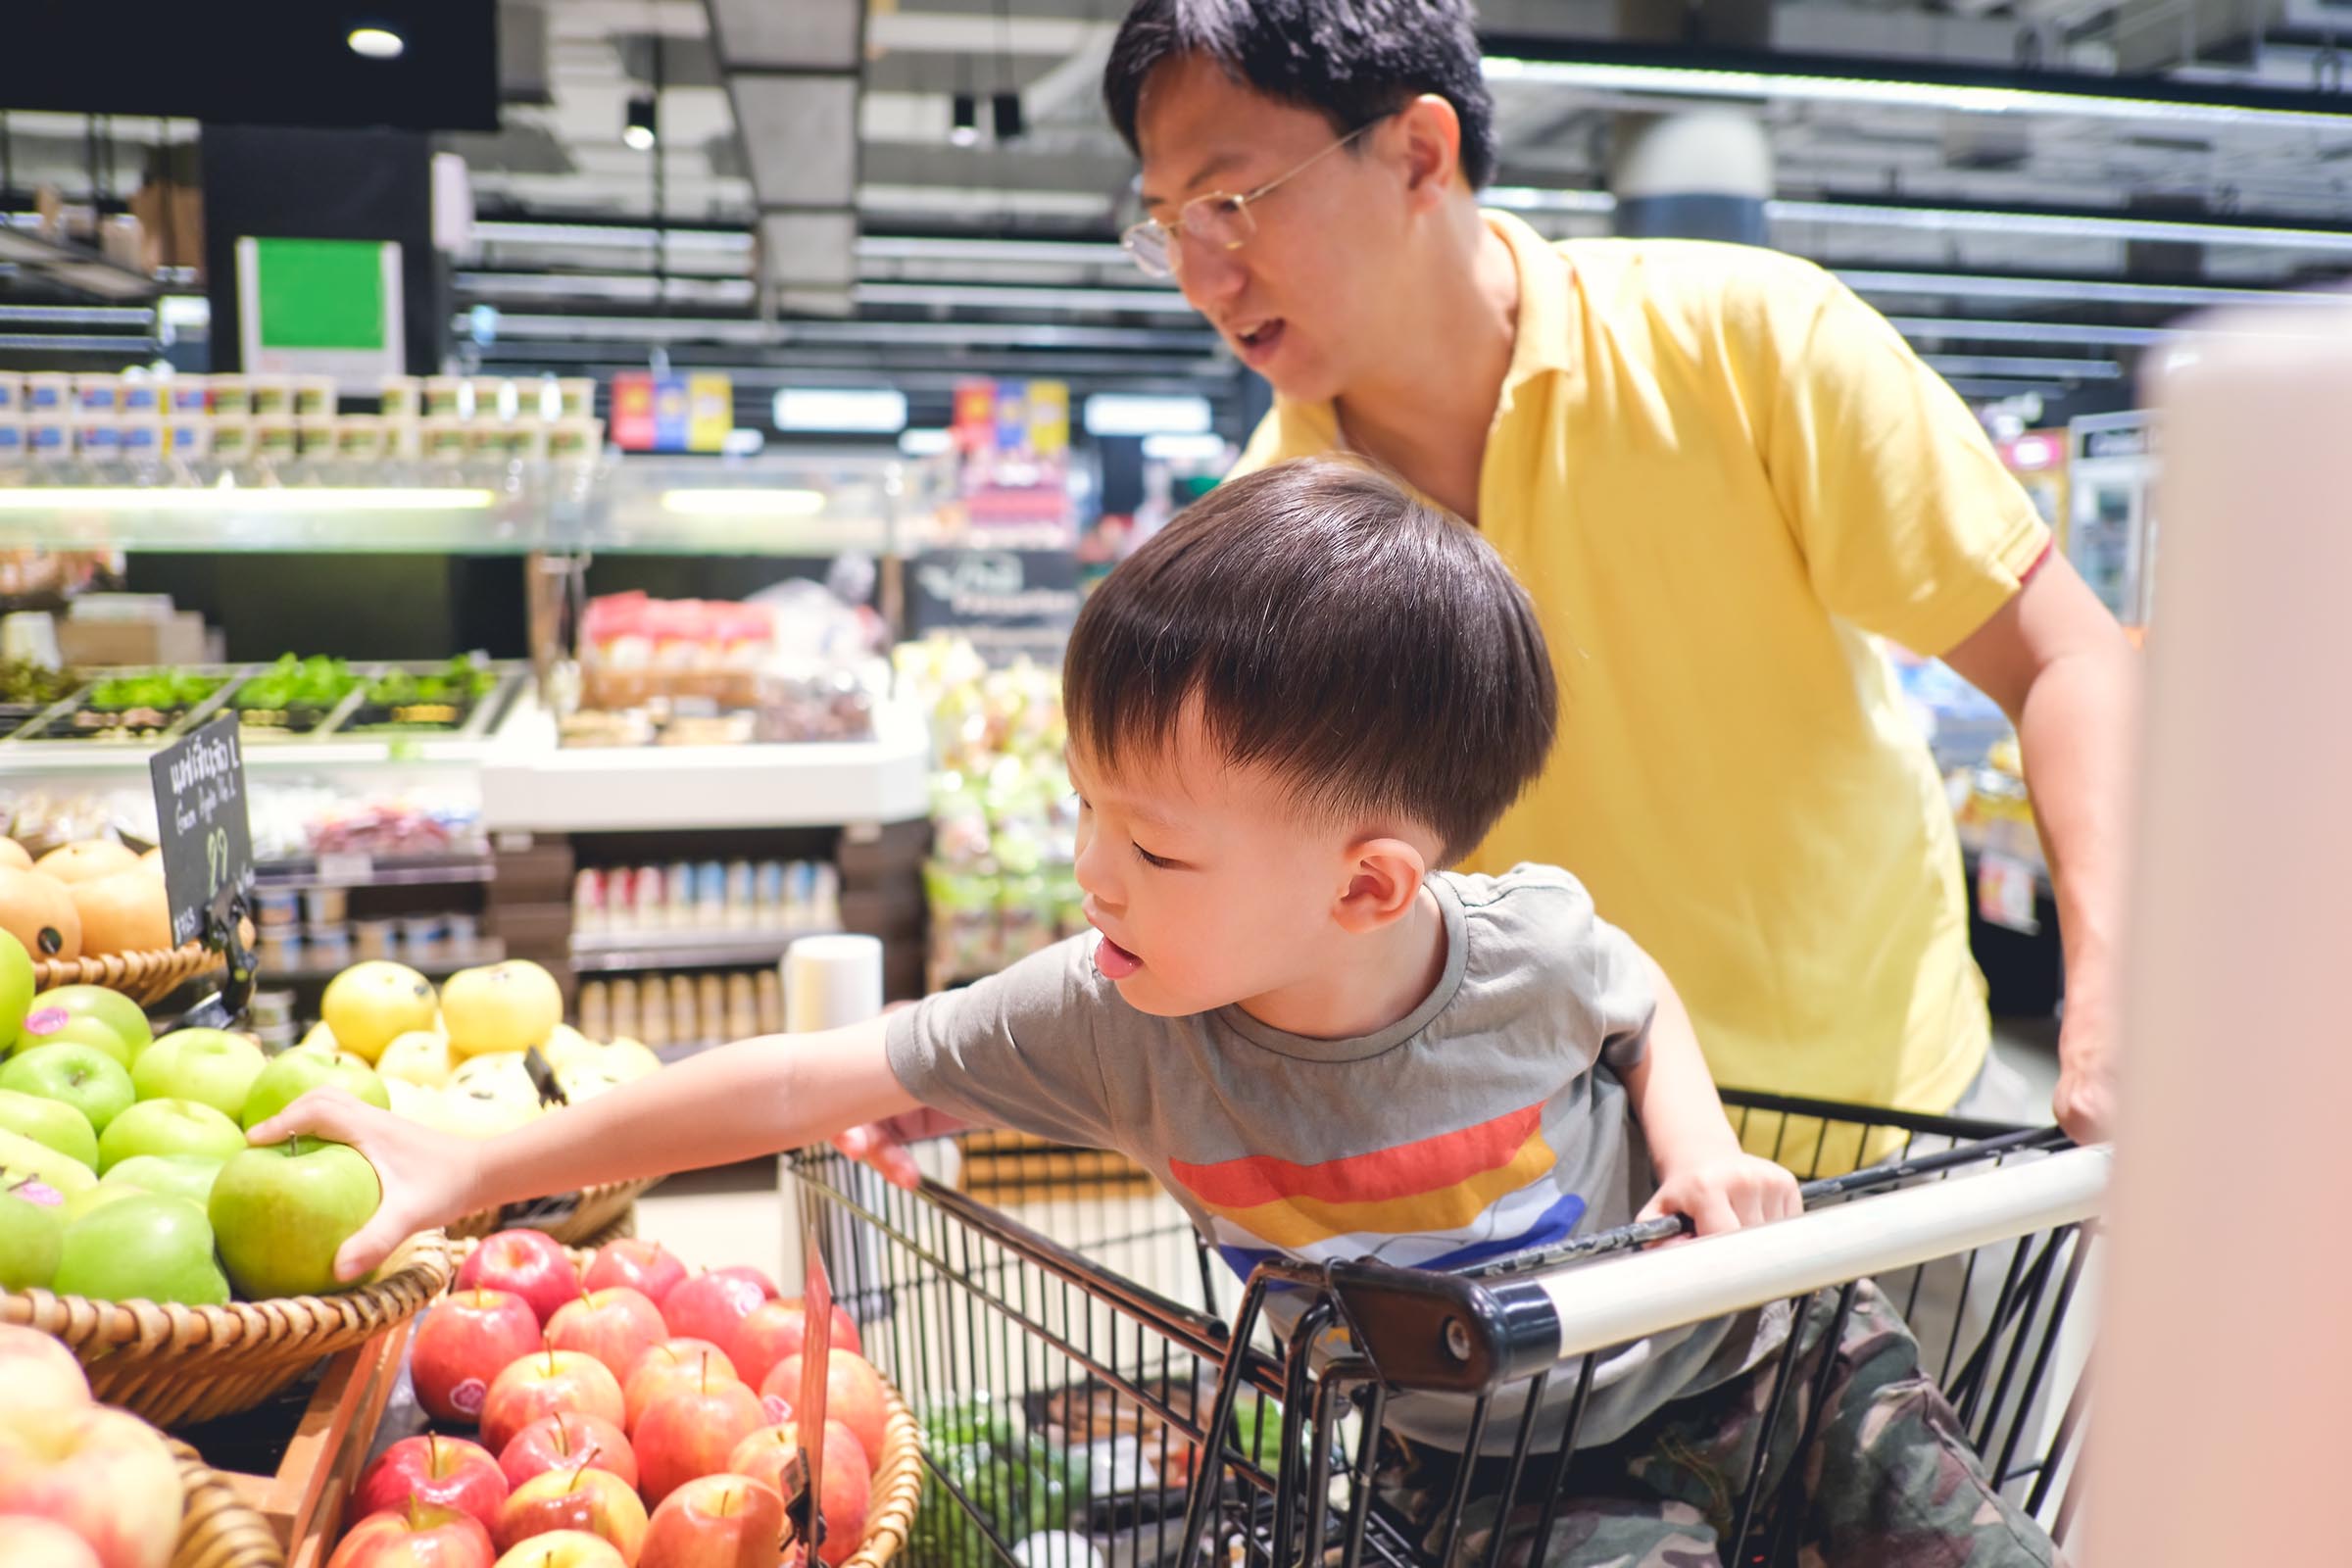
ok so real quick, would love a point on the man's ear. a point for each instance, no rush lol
(1430, 136)
(1385, 876)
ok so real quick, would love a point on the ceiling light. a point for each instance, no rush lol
(926, 443)
(964, 130)
(1131, 414)
(989, 296)
(376, 43)
(870, 410)
(2067, 290)
(638, 132)
(739, 502)
(524, 232)
(2085, 97)
(1006, 109)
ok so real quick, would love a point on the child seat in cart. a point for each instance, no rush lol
(1071, 1354)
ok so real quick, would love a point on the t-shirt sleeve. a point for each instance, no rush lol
(1018, 1050)
(1547, 951)
(1618, 1000)
(1909, 525)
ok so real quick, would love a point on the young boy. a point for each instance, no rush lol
(1288, 711)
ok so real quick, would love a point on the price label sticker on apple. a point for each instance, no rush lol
(201, 824)
(816, 1370)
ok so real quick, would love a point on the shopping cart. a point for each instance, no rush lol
(1071, 1357)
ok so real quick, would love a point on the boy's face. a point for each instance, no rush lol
(1299, 300)
(1208, 883)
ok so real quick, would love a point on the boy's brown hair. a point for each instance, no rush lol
(1369, 649)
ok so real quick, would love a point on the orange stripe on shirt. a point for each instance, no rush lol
(1404, 1170)
(1296, 1223)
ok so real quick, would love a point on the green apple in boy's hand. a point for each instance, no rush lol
(33, 1233)
(209, 1067)
(16, 990)
(121, 1016)
(188, 1176)
(51, 1122)
(143, 1247)
(281, 1211)
(77, 1075)
(296, 1073)
(167, 1127)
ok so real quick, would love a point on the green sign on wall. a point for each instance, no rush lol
(323, 306)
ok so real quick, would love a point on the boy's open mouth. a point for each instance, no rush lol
(1114, 962)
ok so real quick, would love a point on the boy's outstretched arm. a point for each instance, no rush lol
(1702, 1171)
(755, 1097)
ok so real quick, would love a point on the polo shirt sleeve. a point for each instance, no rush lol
(1908, 523)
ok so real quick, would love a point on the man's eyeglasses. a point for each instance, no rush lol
(1216, 220)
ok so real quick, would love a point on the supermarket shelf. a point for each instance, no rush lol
(605, 952)
(375, 871)
(485, 950)
(533, 785)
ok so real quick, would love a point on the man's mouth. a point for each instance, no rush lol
(1114, 962)
(1257, 339)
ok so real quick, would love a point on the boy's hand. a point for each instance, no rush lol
(426, 1176)
(1727, 1194)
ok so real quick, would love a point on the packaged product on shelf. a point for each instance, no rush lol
(187, 396)
(274, 439)
(825, 912)
(141, 437)
(98, 393)
(646, 904)
(49, 436)
(711, 895)
(228, 396)
(768, 998)
(595, 1011)
(359, 438)
(48, 392)
(444, 397)
(711, 1004)
(316, 438)
(373, 939)
(420, 939)
(329, 947)
(141, 393)
(98, 435)
(12, 393)
(231, 439)
(464, 935)
(188, 436)
(571, 439)
(743, 1007)
(401, 397)
(444, 440)
(12, 439)
(739, 896)
(626, 1019)
(588, 913)
(492, 398)
(272, 396)
(315, 397)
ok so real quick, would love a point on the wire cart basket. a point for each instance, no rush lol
(1071, 1357)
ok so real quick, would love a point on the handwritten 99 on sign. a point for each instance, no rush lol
(201, 823)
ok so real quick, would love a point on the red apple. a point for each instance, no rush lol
(563, 1439)
(102, 1473)
(615, 1325)
(29, 1542)
(39, 1372)
(847, 1489)
(646, 1267)
(668, 1368)
(711, 1306)
(465, 1342)
(417, 1535)
(718, 1521)
(532, 1265)
(445, 1472)
(689, 1431)
(777, 1328)
(852, 1396)
(543, 1384)
(581, 1497)
(565, 1548)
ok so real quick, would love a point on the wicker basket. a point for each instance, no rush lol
(146, 978)
(593, 1220)
(183, 1364)
(217, 1530)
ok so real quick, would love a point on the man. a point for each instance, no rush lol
(1717, 472)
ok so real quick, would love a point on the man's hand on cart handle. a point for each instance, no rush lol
(1727, 1194)
(427, 1177)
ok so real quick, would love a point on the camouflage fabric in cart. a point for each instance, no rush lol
(1890, 1481)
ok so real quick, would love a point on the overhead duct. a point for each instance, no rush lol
(792, 76)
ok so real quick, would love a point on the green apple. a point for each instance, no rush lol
(123, 1016)
(16, 990)
(54, 1026)
(295, 1073)
(51, 1122)
(282, 1210)
(21, 1157)
(188, 1176)
(143, 1247)
(209, 1067)
(97, 1198)
(77, 1075)
(167, 1127)
(32, 1232)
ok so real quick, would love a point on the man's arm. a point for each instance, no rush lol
(1702, 1171)
(755, 1097)
(2061, 668)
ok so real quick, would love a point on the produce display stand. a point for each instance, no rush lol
(218, 1529)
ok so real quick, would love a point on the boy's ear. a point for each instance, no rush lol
(1385, 876)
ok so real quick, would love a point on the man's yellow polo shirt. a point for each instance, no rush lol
(1716, 471)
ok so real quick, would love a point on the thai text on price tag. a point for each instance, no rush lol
(201, 824)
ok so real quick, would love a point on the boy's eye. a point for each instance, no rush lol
(1149, 859)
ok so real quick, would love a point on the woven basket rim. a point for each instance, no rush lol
(485, 1222)
(425, 1268)
(218, 1527)
(192, 953)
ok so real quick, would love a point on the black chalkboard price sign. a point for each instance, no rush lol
(206, 839)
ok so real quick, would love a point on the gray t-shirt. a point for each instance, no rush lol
(1489, 1121)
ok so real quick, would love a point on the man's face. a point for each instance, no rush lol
(1205, 883)
(1300, 301)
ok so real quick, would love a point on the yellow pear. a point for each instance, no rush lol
(629, 1059)
(565, 1046)
(420, 1056)
(505, 1006)
(371, 1004)
(321, 1041)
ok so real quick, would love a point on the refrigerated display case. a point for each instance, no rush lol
(2112, 535)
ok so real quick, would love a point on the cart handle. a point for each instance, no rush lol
(1444, 1332)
